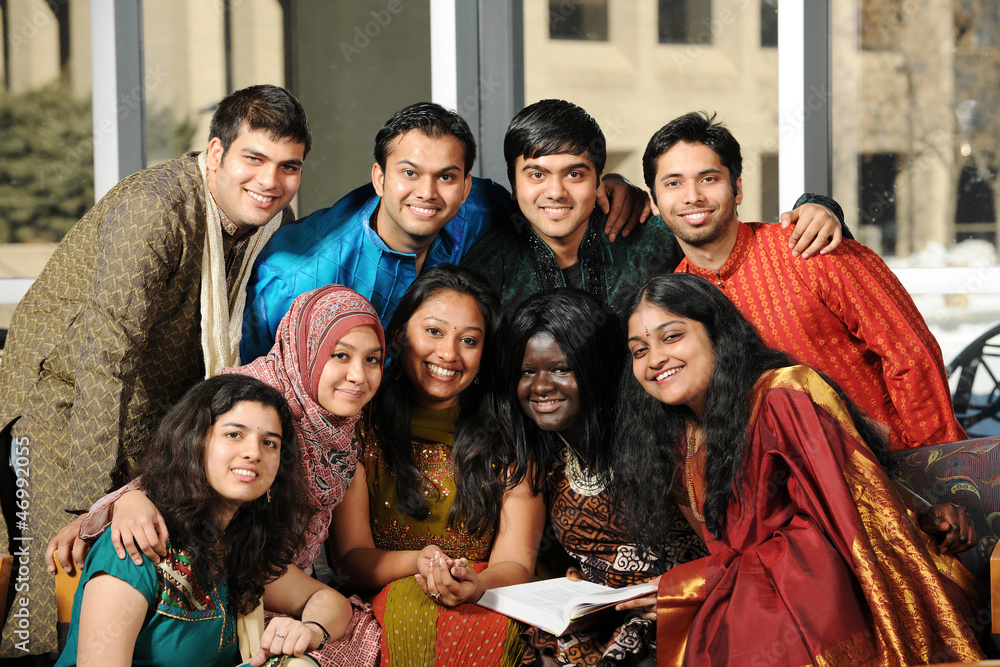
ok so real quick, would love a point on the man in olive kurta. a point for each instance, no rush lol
(111, 333)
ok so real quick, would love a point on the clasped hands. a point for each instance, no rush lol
(286, 636)
(448, 581)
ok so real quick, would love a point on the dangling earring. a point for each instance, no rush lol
(269, 495)
(476, 379)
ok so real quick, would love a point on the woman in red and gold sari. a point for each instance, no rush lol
(813, 557)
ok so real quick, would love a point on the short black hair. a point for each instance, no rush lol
(263, 108)
(431, 119)
(696, 127)
(550, 127)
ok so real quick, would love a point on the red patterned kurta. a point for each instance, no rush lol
(846, 314)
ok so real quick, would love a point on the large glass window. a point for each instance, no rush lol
(350, 64)
(194, 56)
(916, 157)
(46, 135)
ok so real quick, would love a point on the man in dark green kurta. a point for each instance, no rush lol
(555, 153)
(121, 321)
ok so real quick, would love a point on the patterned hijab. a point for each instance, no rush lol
(306, 336)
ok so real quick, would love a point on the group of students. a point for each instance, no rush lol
(674, 446)
(497, 426)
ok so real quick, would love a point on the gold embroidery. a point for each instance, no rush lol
(394, 530)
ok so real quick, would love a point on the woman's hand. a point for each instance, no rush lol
(69, 546)
(450, 582)
(137, 526)
(286, 636)
(575, 574)
(950, 524)
(644, 607)
(425, 557)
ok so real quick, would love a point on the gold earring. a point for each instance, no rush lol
(269, 495)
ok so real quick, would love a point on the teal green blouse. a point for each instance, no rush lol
(189, 622)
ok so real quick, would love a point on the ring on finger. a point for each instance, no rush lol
(278, 634)
(435, 595)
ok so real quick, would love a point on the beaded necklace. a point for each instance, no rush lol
(580, 479)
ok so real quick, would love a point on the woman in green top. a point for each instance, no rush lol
(430, 520)
(220, 470)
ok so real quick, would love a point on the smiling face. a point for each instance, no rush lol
(694, 195)
(352, 373)
(443, 348)
(557, 194)
(422, 186)
(672, 357)
(256, 178)
(548, 391)
(242, 454)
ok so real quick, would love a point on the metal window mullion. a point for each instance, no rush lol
(804, 99)
(119, 101)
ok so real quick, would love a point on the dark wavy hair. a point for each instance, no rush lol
(431, 119)
(263, 108)
(551, 127)
(645, 456)
(693, 128)
(259, 542)
(588, 333)
(480, 451)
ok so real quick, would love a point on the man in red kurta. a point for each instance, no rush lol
(844, 313)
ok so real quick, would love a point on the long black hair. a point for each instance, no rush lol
(588, 333)
(645, 455)
(480, 454)
(259, 542)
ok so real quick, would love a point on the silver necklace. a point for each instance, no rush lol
(580, 479)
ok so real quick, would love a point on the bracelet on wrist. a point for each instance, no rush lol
(326, 635)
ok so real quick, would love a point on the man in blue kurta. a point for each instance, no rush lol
(420, 210)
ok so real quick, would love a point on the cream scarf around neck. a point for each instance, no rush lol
(222, 309)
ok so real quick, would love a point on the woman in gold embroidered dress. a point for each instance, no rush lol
(430, 521)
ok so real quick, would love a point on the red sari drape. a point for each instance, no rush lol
(820, 562)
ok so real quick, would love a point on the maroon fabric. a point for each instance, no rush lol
(820, 561)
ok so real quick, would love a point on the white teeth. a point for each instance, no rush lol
(443, 372)
(261, 199)
(550, 402)
(695, 216)
(424, 211)
(666, 374)
(243, 472)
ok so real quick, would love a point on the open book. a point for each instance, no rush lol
(558, 605)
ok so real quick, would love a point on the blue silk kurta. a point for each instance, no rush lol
(338, 245)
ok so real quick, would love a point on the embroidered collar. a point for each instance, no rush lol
(593, 262)
(739, 254)
(228, 226)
